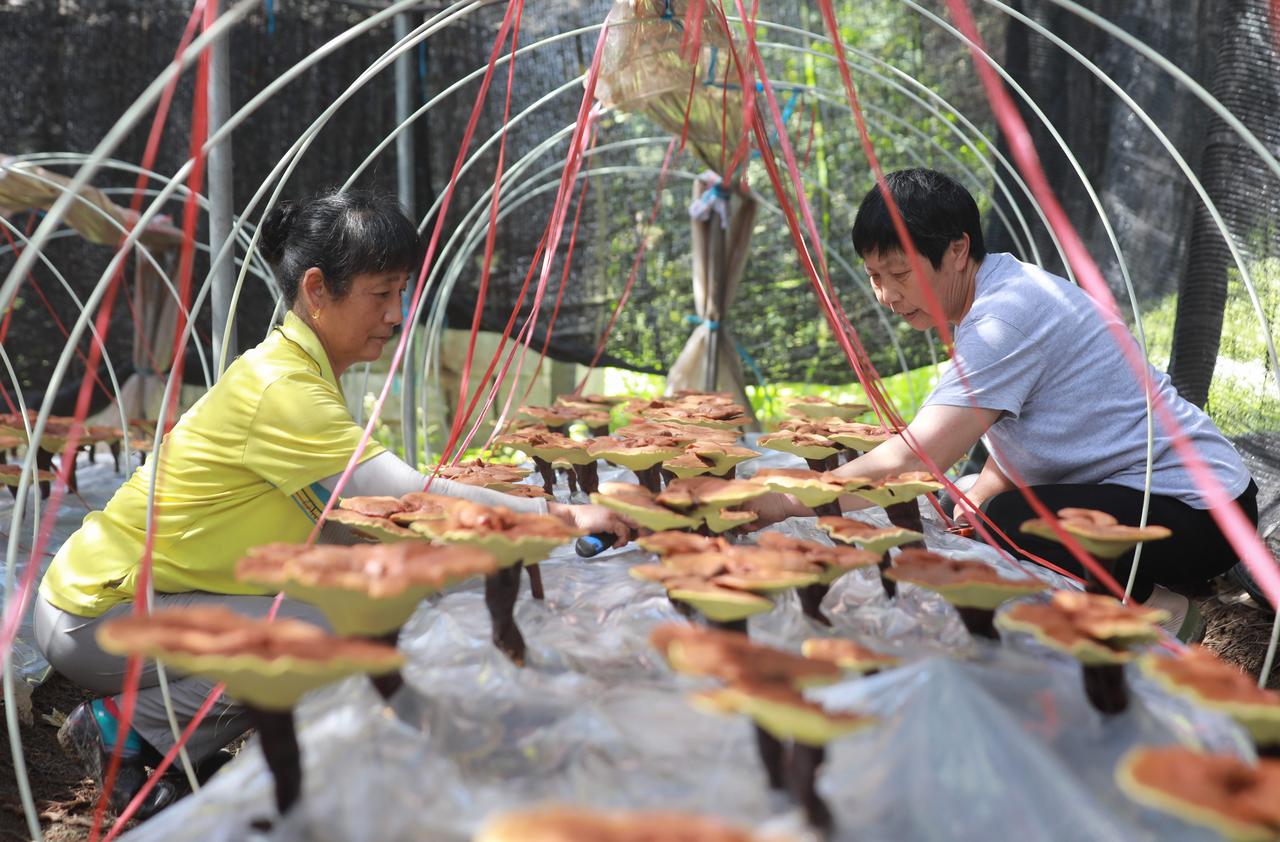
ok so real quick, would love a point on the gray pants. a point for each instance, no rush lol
(67, 640)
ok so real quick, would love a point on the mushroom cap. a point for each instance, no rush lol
(550, 446)
(722, 520)
(365, 590)
(876, 539)
(380, 529)
(836, 561)
(1093, 628)
(1198, 674)
(567, 824)
(1098, 532)
(268, 664)
(846, 654)
(12, 475)
(485, 472)
(509, 536)
(803, 445)
(383, 507)
(552, 416)
(1237, 800)
(717, 603)
(10, 442)
(812, 488)
(697, 492)
(732, 657)
(859, 437)
(902, 488)
(636, 502)
(815, 406)
(720, 417)
(678, 543)
(783, 712)
(967, 584)
(636, 454)
(708, 457)
(682, 433)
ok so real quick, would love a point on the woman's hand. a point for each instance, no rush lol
(774, 508)
(593, 519)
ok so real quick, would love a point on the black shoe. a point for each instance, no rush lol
(1240, 576)
(90, 734)
(173, 784)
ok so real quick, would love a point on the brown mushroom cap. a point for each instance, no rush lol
(894, 489)
(968, 584)
(846, 654)
(677, 543)
(815, 406)
(1091, 627)
(801, 444)
(696, 492)
(479, 472)
(732, 657)
(372, 506)
(1237, 800)
(12, 474)
(876, 539)
(370, 526)
(566, 824)
(1098, 532)
(783, 711)
(1197, 673)
(839, 559)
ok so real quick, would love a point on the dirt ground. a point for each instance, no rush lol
(1237, 630)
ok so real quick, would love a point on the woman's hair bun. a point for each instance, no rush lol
(274, 232)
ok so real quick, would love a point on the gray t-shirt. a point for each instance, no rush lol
(1035, 347)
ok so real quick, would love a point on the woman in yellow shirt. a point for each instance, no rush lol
(253, 461)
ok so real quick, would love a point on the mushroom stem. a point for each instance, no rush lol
(44, 462)
(729, 625)
(1271, 750)
(819, 465)
(732, 473)
(280, 749)
(650, 478)
(114, 447)
(571, 479)
(890, 586)
(501, 589)
(907, 516)
(1091, 582)
(773, 754)
(811, 597)
(388, 683)
(547, 473)
(803, 777)
(979, 621)
(1105, 686)
(588, 476)
(831, 509)
(667, 476)
(535, 581)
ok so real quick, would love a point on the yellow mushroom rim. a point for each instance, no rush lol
(783, 712)
(368, 590)
(1237, 800)
(876, 539)
(572, 824)
(509, 536)
(896, 489)
(801, 444)
(1198, 674)
(722, 520)
(634, 454)
(12, 475)
(716, 603)
(380, 529)
(1098, 532)
(732, 657)
(811, 488)
(1092, 628)
(813, 406)
(636, 503)
(699, 492)
(847, 655)
(835, 561)
(963, 583)
(267, 664)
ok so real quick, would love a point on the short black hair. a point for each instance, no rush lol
(936, 209)
(341, 233)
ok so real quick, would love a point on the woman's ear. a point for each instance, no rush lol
(960, 250)
(311, 289)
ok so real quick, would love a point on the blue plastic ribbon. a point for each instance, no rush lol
(271, 17)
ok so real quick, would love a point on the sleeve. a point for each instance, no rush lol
(302, 433)
(386, 474)
(1000, 368)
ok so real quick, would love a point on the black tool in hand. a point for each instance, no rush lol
(594, 544)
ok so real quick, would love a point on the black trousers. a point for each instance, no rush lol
(1191, 556)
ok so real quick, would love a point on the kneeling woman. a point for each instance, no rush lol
(254, 461)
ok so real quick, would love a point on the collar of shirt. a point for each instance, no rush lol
(300, 333)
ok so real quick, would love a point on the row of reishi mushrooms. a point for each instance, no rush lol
(428, 544)
(53, 441)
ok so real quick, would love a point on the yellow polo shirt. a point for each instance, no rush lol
(240, 468)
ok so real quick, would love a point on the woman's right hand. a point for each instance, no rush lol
(773, 508)
(594, 519)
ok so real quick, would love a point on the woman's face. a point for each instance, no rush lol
(354, 328)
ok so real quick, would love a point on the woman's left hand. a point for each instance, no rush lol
(594, 519)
